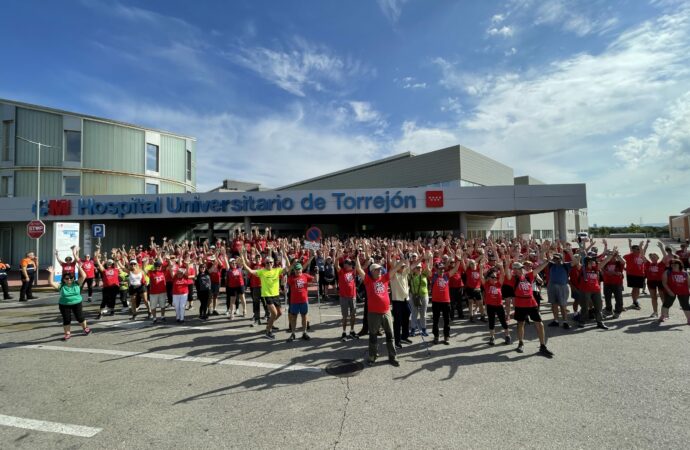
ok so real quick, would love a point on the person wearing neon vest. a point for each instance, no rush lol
(590, 287)
(676, 284)
(440, 298)
(379, 303)
(526, 306)
(634, 270)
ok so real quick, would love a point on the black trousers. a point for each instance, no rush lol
(438, 308)
(456, 303)
(257, 301)
(203, 302)
(89, 285)
(615, 291)
(25, 290)
(496, 311)
(168, 291)
(109, 297)
(68, 310)
(5, 289)
(401, 320)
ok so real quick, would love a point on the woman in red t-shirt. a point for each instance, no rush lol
(654, 271)
(676, 284)
(180, 289)
(234, 289)
(493, 299)
(440, 299)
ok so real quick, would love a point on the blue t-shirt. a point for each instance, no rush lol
(558, 273)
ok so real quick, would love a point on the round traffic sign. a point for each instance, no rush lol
(313, 234)
(35, 229)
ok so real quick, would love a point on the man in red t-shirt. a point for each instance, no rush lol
(634, 271)
(526, 306)
(347, 291)
(379, 305)
(299, 300)
(613, 284)
(158, 297)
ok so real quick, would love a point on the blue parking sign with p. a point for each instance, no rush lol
(98, 230)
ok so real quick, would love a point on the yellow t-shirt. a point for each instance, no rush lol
(270, 281)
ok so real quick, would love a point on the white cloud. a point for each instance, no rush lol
(573, 18)
(423, 139)
(510, 52)
(298, 67)
(504, 31)
(365, 113)
(497, 19)
(391, 8)
(451, 104)
(410, 83)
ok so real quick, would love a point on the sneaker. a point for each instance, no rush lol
(353, 335)
(662, 319)
(413, 332)
(227, 313)
(545, 351)
(291, 338)
(363, 332)
(87, 331)
(446, 341)
(636, 306)
(507, 340)
(520, 348)
(616, 315)
(435, 341)
(653, 316)
(148, 316)
(566, 326)
(89, 300)
(305, 337)
(398, 345)
(602, 326)
(163, 319)
(155, 320)
(274, 328)
(491, 341)
(406, 341)
(270, 336)
(343, 337)
(371, 362)
(394, 362)
(554, 324)
(482, 318)
(424, 333)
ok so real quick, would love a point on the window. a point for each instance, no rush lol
(152, 158)
(73, 146)
(4, 186)
(72, 185)
(189, 165)
(6, 130)
(151, 188)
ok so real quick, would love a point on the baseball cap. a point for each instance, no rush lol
(375, 266)
(517, 265)
(298, 266)
(133, 261)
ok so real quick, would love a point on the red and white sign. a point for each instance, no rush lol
(35, 229)
(434, 199)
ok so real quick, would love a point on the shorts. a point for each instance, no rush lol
(532, 312)
(557, 294)
(347, 307)
(232, 291)
(655, 284)
(67, 310)
(273, 301)
(507, 291)
(473, 294)
(137, 290)
(298, 308)
(158, 300)
(215, 288)
(635, 281)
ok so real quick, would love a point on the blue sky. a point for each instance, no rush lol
(278, 91)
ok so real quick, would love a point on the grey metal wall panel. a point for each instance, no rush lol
(420, 170)
(41, 127)
(112, 147)
(170, 188)
(477, 168)
(173, 157)
(101, 184)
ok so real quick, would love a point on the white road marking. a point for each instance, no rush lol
(160, 326)
(50, 427)
(170, 357)
(332, 315)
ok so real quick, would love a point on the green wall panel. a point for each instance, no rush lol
(42, 127)
(170, 188)
(113, 147)
(25, 183)
(173, 156)
(100, 184)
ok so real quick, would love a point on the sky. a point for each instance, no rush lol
(567, 91)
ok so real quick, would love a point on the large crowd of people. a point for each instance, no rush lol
(392, 279)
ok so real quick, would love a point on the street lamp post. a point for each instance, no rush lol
(38, 193)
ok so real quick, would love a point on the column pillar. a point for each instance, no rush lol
(209, 234)
(463, 224)
(562, 229)
(248, 225)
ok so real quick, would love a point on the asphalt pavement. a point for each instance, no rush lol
(220, 384)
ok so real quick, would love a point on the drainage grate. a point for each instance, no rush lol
(344, 368)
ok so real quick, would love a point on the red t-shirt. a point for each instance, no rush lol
(654, 271)
(346, 283)
(299, 288)
(214, 274)
(378, 299)
(492, 293)
(473, 279)
(88, 267)
(575, 277)
(678, 283)
(235, 278)
(69, 267)
(455, 281)
(590, 280)
(440, 290)
(523, 292)
(157, 282)
(254, 281)
(634, 264)
(180, 286)
(610, 276)
(111, 277)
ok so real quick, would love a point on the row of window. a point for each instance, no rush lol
(542, 234)
(71, 185)
(72, 150)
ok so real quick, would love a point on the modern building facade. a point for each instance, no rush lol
(83, 155)
(679, 226)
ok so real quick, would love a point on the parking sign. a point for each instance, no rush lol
(98, 230)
